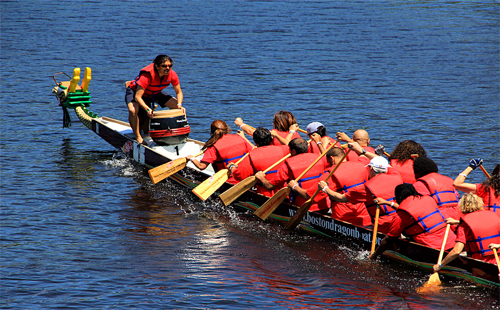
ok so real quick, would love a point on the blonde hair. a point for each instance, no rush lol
(470, 203)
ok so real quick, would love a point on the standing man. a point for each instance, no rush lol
(147, 88)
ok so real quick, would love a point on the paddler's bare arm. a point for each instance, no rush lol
(247, 129)
(354, 146)
(457, 249)
(323, 186)
(180, 97)
(200, 164)
(299, 190)
(261, 176)
(138, 97)
(319, 142)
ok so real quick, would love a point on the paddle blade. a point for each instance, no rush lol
(272, 203)
(164, 171)
(210, 185)
(237, 190)
(431, 286)
(299, 215)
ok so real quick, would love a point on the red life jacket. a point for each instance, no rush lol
(426, 214)
(441, 189)
(350, 174)
(486, 229)
(156, 85)
(383, 186)
(283, 134)
(264, 157)
(229, 148)
(313, 147)
(297, 164)
(405, 170)
(352, 156)
(491, 201)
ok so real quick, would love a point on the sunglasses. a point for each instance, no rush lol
(167, 66)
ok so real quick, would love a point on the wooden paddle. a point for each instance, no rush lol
(272, 203)
(301, 212)
(375, 229)
(498, 261)
(485, 172)
(434, 279)
(237, 190)
(210, 185)
(164, 171)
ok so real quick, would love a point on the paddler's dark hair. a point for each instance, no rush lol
(218, 129)
(493, 182)
(334, 152)
(404, 191)
(283, 120)
(299, 145)
(403, 151)
(160, 59)
(321, 131)
(423, 166)
(262, 136)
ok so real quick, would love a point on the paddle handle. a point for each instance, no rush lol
(444, 244)
(496, 258)
(485, 172)
(375, 229)
(200, 153)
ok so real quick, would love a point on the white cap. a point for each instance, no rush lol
(313, 127)
(378, 162)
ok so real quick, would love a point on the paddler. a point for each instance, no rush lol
(428, 230)
(488, 190)
(320, 141)
(348, 175)
(284, 128)
(146, 89)
(360, 136)
(299, 161)
(382, 180)
(477, 229)
(402, 159)
(430, 182)
(221, 149)
(261, 158)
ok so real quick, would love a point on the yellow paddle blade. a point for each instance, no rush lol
(431, 286)
(299, 215)
(272, 203)
(164, 171)
(210, 185)
(237, 190)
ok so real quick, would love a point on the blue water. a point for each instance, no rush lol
(83, 227)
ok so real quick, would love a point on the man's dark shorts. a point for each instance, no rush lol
(160, 98)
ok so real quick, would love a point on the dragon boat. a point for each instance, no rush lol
(160, 151)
